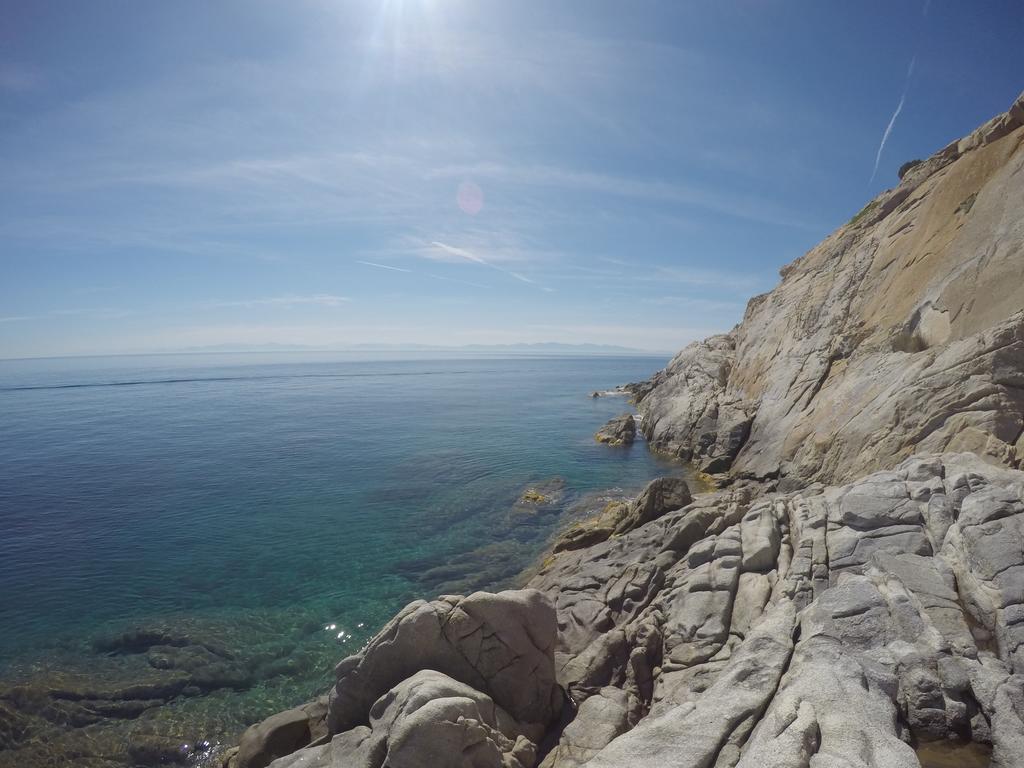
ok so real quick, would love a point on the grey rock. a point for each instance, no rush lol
(661, 495)
(500, 644)
(599, 720)
(428, 719)
(696, 733)
(278, 735)
(818, 627)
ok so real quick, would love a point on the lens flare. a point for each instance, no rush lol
(470, 198)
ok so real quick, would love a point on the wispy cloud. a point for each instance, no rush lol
(320, 299)
(16, 318)
(432, 276)
(382, 266)
(450, 250)
(441, 251)
(725, 280)
(892, 120)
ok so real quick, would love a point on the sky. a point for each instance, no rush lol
(192, 174)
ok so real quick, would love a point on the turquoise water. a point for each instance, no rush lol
(292, 492)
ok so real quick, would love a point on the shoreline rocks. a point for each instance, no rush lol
(742, 629)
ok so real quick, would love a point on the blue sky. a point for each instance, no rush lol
(182, 174)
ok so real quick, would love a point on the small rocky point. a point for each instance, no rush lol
(619, 431)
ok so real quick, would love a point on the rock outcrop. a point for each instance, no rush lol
(460, 681)
(853, 594)
(902, 332)
(661, 495)
(844, 622)
(619, 431)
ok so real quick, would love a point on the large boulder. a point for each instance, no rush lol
(278, 735)
(661, 495)
(499, 644)
(428, 719)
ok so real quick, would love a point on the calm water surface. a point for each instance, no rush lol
(294, 491)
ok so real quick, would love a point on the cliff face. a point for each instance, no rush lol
(902, 332)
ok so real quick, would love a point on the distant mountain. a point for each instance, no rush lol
(555, 348)
(540, 348)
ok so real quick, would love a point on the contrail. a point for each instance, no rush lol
(892, 120)
(382, 266)
(462, 252)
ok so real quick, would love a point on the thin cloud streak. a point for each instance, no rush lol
(382, 266)
(322, 299)
(425, 274)
(469, 256)
(462, 253)
(899, 108)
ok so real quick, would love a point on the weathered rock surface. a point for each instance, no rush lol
(619, 431)
(499, 644)
(844, 623)
(460, 682)
(427, 719)
(902, 332)
(281, 734)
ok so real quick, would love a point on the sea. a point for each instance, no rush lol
(283, 504)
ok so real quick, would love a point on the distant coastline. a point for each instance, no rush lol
(397, 351)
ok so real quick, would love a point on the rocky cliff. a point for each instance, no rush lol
(853, 596)
(902, 332)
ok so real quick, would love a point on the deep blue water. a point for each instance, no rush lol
(292, 488)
